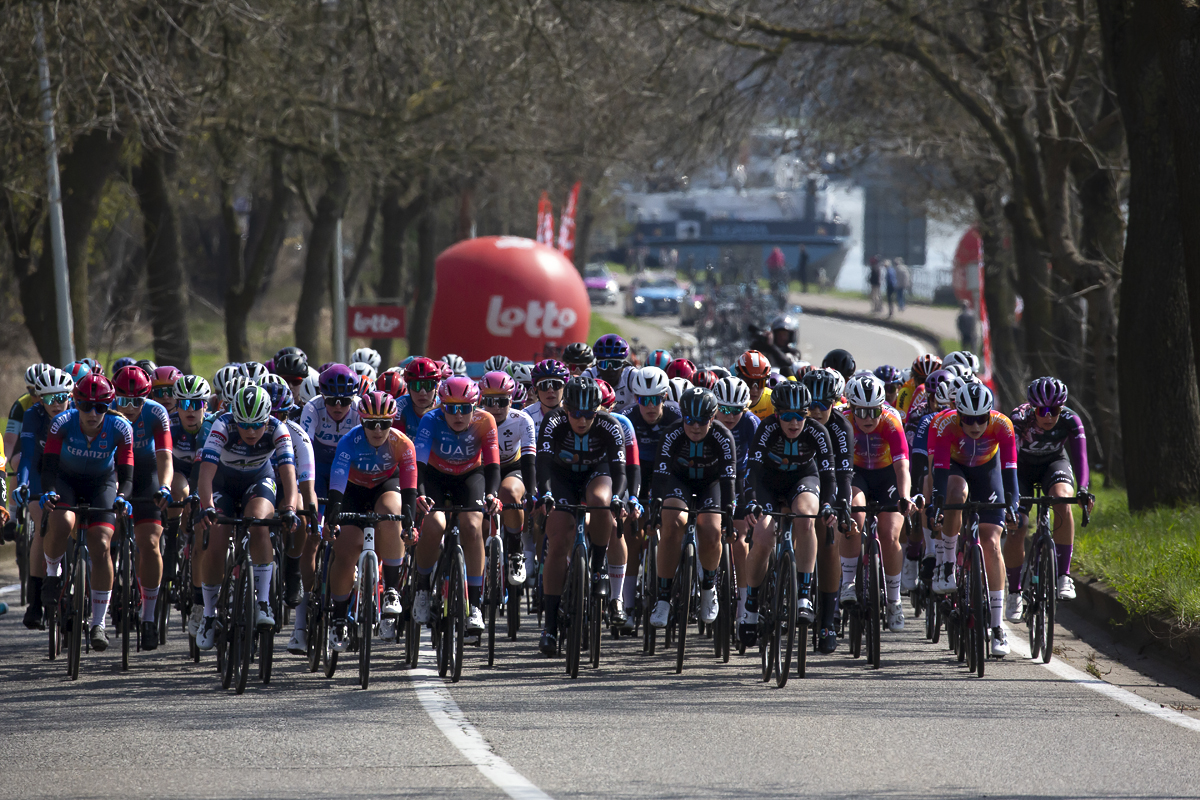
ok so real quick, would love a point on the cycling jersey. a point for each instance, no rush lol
(919, 445)
(516, 436)
(686, 468)
(950, 444)
(359, 462)
(324, 431)
(841, 438)
(744, 434)
(457, 453)
(35, 429)
(632, 456)
(302, 447)
(622, 386)
(580, 457)
(185, 446)
(777, 460)
(649, 435)
(16, 414)
(77, 454)
(407, 418)
(1036, 446)
(883, 446)
(226, 448)
(763, 408)
(906, 396)
(151, 430)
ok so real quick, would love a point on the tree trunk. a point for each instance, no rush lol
(35, 286)
(1033, 283)
(395, 218)
(166, 284)
(315, 289)
(426, 285)
(363, 251)
(584, 220)
(1154, 335)
(244, 284)
(999, 296)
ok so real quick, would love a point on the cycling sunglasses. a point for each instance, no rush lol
(250, 426)
(1049, 411)
(868, 413)
(582, 414)
(129, 402)
(792, 416)
(459, 408)
(340, 402)
(164, 392)
(730, 410)
(377, 424)
(820, 406)
(192, 405)
(610, 364)
(650, 399)
(550, 385)
(697, 420)
(89, 407)
(55, 399)
(497, 402)
(427, 385)
(972, 419)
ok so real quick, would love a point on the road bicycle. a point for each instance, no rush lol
(584, 597)
(970, 613)
(779, 626)
(363, 613)
(449, 605)
(1039, 574)
(176, 589)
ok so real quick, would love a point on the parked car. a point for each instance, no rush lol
(601, 286)
(692, 308)
(654, 294)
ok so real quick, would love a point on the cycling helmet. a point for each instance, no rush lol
(77, 370)
(785, 322)
(1046, 392)
(459, 389)
(444, 370)
(947, 391)
(678, 387)
(936, 379)
(822, 386)
(608, 398)
(681, 368)
(145, 363)
(578, 354)
(338, 381)
(706, 378)
(974, 399)
(35, 370)
(801, 368)
(233, 386)
(164, 376)
(131, 382)
(392, 382)
(720, 372)
(377, 405)
(292, 349)
(791, 396)
(271, 380)
(924, 366)
(325, 366)
(610, 346)
(52, 381)
(650, 381)
(256, 371)
(888, 374)
(225, 373)
(362, 368)
(698, 403)
(959, 370)
(281, 396)
(752, 366)
(124, 361)
(292, 365)
(521, 373)
(192, 387)
(582, 394)
(422, 369)
(251, 405)
(774, 379)
(659, 358)
(841, 360)
(93, 388)
(496, 364)
(963, 357)
(367, 355)
(550, 369)
(864, 391)
(456, 363)
(307, 390)
(732, 392)
(838, 381)
(497, 382)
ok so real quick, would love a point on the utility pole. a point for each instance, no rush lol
(58, 242)
(341, 351)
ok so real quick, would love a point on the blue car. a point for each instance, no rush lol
(654, 295)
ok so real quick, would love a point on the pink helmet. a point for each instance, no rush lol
(459, 389)
(497, 382)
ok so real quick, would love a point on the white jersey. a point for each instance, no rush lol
(536, 414)
(517, 435)
(306, 463)
(623, 387)
(324, 431)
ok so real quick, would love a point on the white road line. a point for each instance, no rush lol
(450, 720)
(1018, 639)
(15, 587)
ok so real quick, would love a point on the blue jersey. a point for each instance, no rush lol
(95, 456)
(457, 453)
(743, 438)
(35, 429)
(362, 464)
(151, 430)
(226, 448)
(186, 446)
(407, 418)
(324, 430)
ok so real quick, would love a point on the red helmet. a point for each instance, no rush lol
(705, 379)
(753, 366)
(497, 383)
(95, 388)
(447, 370)
(681, 368)
(365, 385)
(392, 382)
(924, 366)
(165, 376)
(131, 381)
(377, 405)
(459, 389)
(422, 369)
(608, 398)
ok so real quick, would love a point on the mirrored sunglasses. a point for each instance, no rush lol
(497, 402)
(730, 410)
(250, 426)
(427, 385)
(129, 402)
(88, 407)
(582, 414)
(163, 392)
(1049, 411)
(459, 408)
(340, 402)
(377, 424)
(650, 400)
(55, 399)
(550, 385)
(192, 405)
(610, 364)
(792, 416)
(868, 413)
(972, 419)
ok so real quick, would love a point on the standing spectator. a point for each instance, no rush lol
(874, 280)
(777, 268)
(903, 282)
(967, 326)
(802, 268)
(890, 280)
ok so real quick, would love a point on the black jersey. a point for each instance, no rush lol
(713, 458)
(562, 450)
(841, 437)
(776, 455)
(649, 436)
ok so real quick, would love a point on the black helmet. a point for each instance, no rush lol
(822, 386)
(697, 404)
(841, 361)
(293, 350)
(147, 365)
(578, 354)
(292, 365)
(784, 322)
(790, 396)
(720, 372)
(582, 394)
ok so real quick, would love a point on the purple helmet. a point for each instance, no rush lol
(338, 381)
(610, 346)
(774, 379)
(936, 379)
(520, 395)
(1045, 392)
(550, 370)
(888, 374)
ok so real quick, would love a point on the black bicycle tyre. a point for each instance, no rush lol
(855, 634)
(459, 610)
(722, 635)
(578, 611)
(1049, 599)
(366, 630)
(979, 610)
(493, 593)
(874, 603)
(126, 566)
(412, 629)
(933, 622)
(649, 594)
(80, 602)
(227, 655)
(766, 620)
(785, 619)
(247, 631)
(684, 586)
(595, 625)
(24, 543)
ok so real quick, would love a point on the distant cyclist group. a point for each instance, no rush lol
(765, 505)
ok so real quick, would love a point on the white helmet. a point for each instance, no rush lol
(839, 382)
(865, 391)
(52, 381)
(732, 391)
(192, 387)
(521, 373)
(860, 373)
(307, 390)
(232, 386)
(366, 355)
(960, 370)
(905, 375)
(256, 371)
(35, 370)
(963, 358)
(650, 381)
(947, 391)
(363, 368)
(226, 373)
(974, 399)
(273, 378)
(314, 374)
(677, 388)
(456, 364)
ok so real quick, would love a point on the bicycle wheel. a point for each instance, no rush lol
(576, 607)
(54, 618)
(493, 592)
(933, 624)
(1049, 599)
(229, 655)
(162, 613)
(412, 631)
(979, 610)
(595, 617)
(649, 593)
(784, 636)
(723, 630)
(685, 579)
(874, 598)
(367, 612)
(459, 609)
(221, 635)
(854, 614)
(246, 629)
(24, 536)
(314, 616)
(125, 562)
(766, 619)
(79, 603)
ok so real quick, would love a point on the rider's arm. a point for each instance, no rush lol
(941, 454)
(204, 483)
(162, 446)
(28, 454)
(529, 470)
(662, 469)
(287, 484)
(1007, 453)
(491, 456)
(616, 455)
(545, 455)
(1077, 451)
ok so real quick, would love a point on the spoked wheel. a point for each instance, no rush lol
(649, 594)
(575, 602)
(726, 599)
(229, 655)
(684, 581)
(783, 637)
(79, 604)
(368, 612)
(24, 537)
(125, 604)
(979, 611)
(854, 613)
(595, 624)
(766, 619)
(412, 630)
(1044, 596)
(493, 591)
(315, 630)
(933, 622)
(874, 599)
(163, 613)
(245, 626)
(458, 613)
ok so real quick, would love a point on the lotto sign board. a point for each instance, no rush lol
(375, 322)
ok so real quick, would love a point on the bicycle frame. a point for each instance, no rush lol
(1039, 572)
(972, 613)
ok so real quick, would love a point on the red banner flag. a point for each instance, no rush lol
(566, 231)
(985, 328)
(545, 221)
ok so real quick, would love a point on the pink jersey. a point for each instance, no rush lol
(950, 444)
(883, 446)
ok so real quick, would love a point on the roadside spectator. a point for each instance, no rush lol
(822, 280)
(903, 282)
(966, 326)
(802, 269)
(777, 268)
(874, 281)
(889, 277)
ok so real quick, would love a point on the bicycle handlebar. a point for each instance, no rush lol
(972, 505)
(1077, 500)
(189, 501)
(347, 516)
(250, 522)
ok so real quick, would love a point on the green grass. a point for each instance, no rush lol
(599, 327)
(1151, 560)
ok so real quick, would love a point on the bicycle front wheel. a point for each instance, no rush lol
(246, 629)
(685, 579)
(24, 538)
(493, 591)
(458, 611)
(125, 604)
(723, 632)
(1049, 599)
(784, 636)
(979, 611)
(367, 612)
(79, 604)
(576, 607)
(874, 598)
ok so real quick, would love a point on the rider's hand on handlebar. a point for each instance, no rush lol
(21, 494)
(123, 506)
(207, 517)
(290, 520)
(491, 504)
(424, 504)
(49, 499)
(906, 506)
(548, 501)
(162, 497)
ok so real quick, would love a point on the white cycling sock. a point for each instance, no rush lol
(949, 545)
(100, 606)
(53, 566)
(930, 545)
(149, 600)
(996, 599)
(616, 581)
(262, 581)
(849, 567)
(892, 584)
(211, 593)
(302, 612)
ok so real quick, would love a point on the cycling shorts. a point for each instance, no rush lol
(97, 491)
(697, 494)
(1045, 475)
(569, 487)
(362, 499)
(145, 487)
(878, 485)
(232, 489)
(455, 490)
(511, 469)
(776, 491)
(183, 468)
(985, 484)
